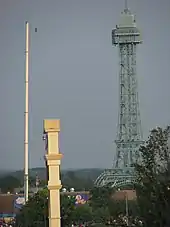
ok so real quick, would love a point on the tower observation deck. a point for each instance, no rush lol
(126, 36)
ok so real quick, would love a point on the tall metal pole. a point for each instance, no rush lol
(127, 209)
(26, 111)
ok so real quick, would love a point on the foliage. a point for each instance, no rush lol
(153, 194)
(71, 180)
(82, 213)
(100, 209)
(35, 211)
(67, 208)
(153, 178)
(81, 180)
(100, 201)
(100, 197)
(8, 183)
(106, 209)
(101, 215)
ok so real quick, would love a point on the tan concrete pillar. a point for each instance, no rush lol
(53, 160)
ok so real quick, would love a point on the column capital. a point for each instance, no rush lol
(51, 125)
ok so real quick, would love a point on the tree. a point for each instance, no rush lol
(32, 181)
(153, 179)
(101, 215)
(105, 208)
(100, 197)
(82, 213)
(34, 213)
(67, 209)
(71, 180)
(9, 183)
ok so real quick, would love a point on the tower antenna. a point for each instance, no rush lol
(126, 4)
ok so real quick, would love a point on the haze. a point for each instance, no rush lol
(74, 76)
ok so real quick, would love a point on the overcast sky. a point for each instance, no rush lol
(74, 76)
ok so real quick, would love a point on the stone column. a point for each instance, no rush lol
(53, 160)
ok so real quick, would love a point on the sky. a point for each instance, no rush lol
(74, 76)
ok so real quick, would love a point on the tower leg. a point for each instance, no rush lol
(53, 160)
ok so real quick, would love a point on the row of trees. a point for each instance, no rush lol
(69, 180)
(8, 183)
(152, 187)
(99, 209)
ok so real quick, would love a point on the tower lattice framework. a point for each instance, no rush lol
(129, 134)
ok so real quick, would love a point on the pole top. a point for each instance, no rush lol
(126, 10)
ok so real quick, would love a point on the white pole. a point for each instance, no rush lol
(26, 111)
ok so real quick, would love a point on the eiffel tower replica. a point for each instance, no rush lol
(126, 36)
